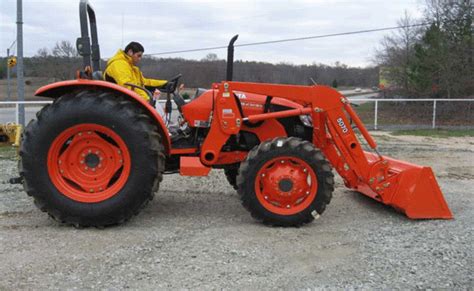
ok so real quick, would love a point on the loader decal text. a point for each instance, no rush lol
(342, 125)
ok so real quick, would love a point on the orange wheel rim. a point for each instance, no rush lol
(286, 185)
(89, 163)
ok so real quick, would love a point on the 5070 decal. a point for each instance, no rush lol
(342, 125)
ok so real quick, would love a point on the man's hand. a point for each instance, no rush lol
(155, 97)
(156, 94)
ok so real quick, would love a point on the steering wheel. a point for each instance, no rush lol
(171, 88)
(171, 85)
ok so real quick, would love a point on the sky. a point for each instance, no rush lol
(172, 25)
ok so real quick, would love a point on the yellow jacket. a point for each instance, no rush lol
(122, 70)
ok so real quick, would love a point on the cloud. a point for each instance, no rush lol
(187, 24)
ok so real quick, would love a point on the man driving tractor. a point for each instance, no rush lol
(122, 69)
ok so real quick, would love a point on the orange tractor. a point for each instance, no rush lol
(96, 156)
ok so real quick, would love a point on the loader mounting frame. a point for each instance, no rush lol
(408, 188)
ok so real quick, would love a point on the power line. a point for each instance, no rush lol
(291, 39)
(230, 20)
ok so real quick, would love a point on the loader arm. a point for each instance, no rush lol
(409, 188)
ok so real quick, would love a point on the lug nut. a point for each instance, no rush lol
(288, 206)
(266, 197)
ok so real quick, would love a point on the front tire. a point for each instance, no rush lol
(231, 173)
(285, 182)
(91, 159)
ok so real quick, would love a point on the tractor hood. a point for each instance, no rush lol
(197, 111)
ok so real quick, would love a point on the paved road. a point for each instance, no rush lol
(7, 114)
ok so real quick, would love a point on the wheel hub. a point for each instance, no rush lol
(286, 185)
(89, 163)
(92, 160)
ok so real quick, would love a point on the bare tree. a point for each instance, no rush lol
(211, 57)
(397, 52)
(65, 49)
(42, 53)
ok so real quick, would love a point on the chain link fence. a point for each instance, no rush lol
(392, 114)
(378, 114)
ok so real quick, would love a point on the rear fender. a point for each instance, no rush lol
(58, 89)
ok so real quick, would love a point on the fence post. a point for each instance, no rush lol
(376, 113)
(17, 115)
(434, 114)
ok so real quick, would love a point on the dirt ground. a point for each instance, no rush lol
(195, 234)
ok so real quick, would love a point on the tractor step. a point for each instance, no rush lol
(192, 166)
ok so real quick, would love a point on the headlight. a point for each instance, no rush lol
(306, 120)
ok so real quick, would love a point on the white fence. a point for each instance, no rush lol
(433, 112)
(14, 105)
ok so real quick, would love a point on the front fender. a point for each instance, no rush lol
(56, 90)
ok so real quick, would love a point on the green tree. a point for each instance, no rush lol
(443, 57)
(436, 59)
(334, 83)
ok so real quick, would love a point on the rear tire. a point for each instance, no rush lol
(91, 159)
(285, 182)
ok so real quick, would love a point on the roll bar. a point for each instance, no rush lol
(89, 51)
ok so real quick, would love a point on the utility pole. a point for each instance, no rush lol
(19, 71)
(9, 91)
(8, 75)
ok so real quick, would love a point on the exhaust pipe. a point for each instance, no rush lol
(230, 58)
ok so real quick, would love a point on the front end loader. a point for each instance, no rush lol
(97, 155)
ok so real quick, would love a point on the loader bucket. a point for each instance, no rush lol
(409, 188)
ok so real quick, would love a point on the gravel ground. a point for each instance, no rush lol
(195, 234)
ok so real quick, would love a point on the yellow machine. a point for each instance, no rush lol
(11, 62)
(10, 133)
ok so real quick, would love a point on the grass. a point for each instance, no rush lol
(442, 133)
(7, 152)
